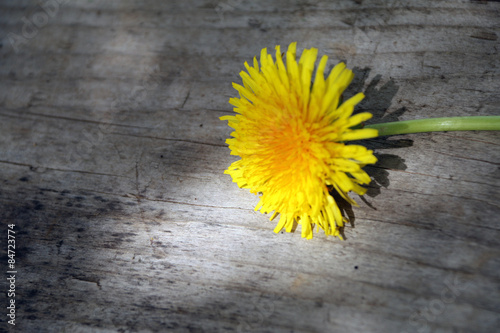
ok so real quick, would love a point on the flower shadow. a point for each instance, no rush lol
(345, 209)
(379, 172)
(378, 100)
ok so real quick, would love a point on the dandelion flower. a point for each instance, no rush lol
(290, 134)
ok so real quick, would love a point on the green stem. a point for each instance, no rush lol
(476, 123)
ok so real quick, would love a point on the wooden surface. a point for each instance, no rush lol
(112, 160)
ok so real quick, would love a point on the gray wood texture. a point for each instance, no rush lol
(112, 160)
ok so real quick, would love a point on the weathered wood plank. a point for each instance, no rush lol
(112, 158)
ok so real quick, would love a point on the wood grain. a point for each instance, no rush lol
(112, 160)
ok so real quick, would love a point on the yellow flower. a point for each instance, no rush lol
(290, 138)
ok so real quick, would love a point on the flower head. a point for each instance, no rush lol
(290, 137)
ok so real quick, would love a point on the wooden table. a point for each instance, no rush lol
(112, 158)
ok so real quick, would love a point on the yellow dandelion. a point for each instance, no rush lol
(290, 137)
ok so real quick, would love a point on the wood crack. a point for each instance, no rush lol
(189, 203)
(87, 280)
(170, 139)
(44, 168)
(74, 119)
(465, 157)
(448, 195)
